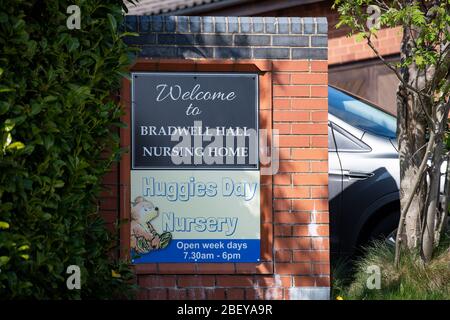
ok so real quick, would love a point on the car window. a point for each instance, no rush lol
(360, 114)
(344, 141)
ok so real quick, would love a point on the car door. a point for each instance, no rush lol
(351, 153)
(365, 178)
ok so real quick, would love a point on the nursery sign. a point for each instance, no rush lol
(195, 184)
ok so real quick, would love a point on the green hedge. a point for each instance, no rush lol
(56, 121)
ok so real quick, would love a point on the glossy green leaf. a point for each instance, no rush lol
(56, 126)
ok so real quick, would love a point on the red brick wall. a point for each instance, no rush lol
(343, 49)
(347, 49)
(294, 206)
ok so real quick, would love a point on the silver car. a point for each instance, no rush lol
(364, 172)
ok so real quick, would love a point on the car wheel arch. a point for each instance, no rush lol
(374, 214)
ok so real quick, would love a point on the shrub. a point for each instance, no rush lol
(412, 280)
(57, 121)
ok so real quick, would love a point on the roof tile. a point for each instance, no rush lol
(148, 7)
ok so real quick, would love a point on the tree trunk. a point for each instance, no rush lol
(411, 135)
(419, 116)
(432, 201)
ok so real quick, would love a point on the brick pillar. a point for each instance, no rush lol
(301, 187)
(290, 56)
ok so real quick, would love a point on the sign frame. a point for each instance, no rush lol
(264, 69)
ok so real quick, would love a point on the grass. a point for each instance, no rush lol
(411, 281)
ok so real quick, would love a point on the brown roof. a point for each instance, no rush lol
(144, 7)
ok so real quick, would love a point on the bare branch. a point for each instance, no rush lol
(407, 85)
(400, 4)
(423, 107)
(414, 154)
(382, 4)
(443, 59)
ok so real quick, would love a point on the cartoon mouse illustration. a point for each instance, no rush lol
(144, 237)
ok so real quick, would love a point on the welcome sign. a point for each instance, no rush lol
(194, 120)
(195, 185)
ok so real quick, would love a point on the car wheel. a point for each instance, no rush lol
(386, 229)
